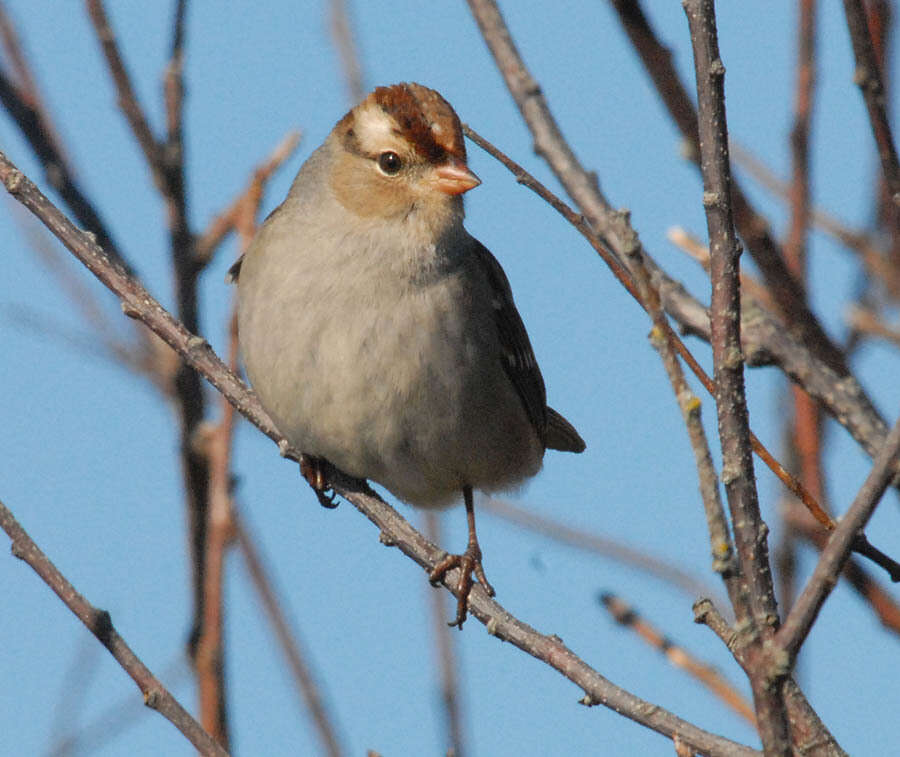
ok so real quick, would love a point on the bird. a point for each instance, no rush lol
(383, 338)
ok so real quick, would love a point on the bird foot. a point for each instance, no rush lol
(468, 562)
(313, 470)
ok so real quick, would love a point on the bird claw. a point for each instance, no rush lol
(312, 469)
(468, 563)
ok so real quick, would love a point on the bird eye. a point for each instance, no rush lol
(389, 162)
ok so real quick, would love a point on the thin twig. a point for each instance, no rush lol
(345, 42)
(584, 539)
(804, 428)
(210, 648)
(661, 337)
(304, 679)
(57, 171)
(625, 615)
(128, 102)
(868, 77)
(98, 622)
(226, 221)
(885, 607)
(800, 620)
(753, 228)
(138, 303)
(731, 402)
(445, 655)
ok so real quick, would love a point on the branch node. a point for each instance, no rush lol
(730, 474)
(284, 447)
(152, 698)
(13, 181)
(196, 342)
(712, 199)
(492, 626)
(588, 701)
(716, 68)
(385, 538)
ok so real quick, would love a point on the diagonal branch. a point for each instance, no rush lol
(884, 470)
(34, 127)
(99, 623)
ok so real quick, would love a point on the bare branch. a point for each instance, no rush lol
(303, 676)
(345, 42)
(725, 319)
(625, 615)
(98, 622)
(128, 101)
(868, 77)
(445, 654)
(753, 228)
(583, 539)
(799, 622)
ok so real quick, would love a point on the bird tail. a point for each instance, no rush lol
(561, 434)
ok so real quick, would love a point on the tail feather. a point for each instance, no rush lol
(561, 434)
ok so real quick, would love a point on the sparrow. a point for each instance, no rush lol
(381, 336)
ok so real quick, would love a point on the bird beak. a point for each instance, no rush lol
(454, 177)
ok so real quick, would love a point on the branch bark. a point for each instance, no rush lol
(98, 622)
(750, 531)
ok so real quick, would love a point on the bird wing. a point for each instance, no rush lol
(518, 357)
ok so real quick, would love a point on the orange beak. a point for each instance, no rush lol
(454, 177)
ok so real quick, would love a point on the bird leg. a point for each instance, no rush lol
(468, 562)
(313, 470)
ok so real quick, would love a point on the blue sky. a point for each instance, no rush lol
(88, 453)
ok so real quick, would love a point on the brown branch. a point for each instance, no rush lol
(236, 215)
(808, 732)
(138, 303)
(445, 654)
(804, 429)
(98, 622)
(866, 322)
(868, 77)
(625, 615)
(753, 228)
(582, 538)
(801, 618)
(210, 647)
(33, 124)
(345, 42)
(662, 338)
(127, 98)
(304, 680)
(750, 531)
(885, 607)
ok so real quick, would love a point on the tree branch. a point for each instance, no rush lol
(98, 622)
(833, 558)
(750, 531)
